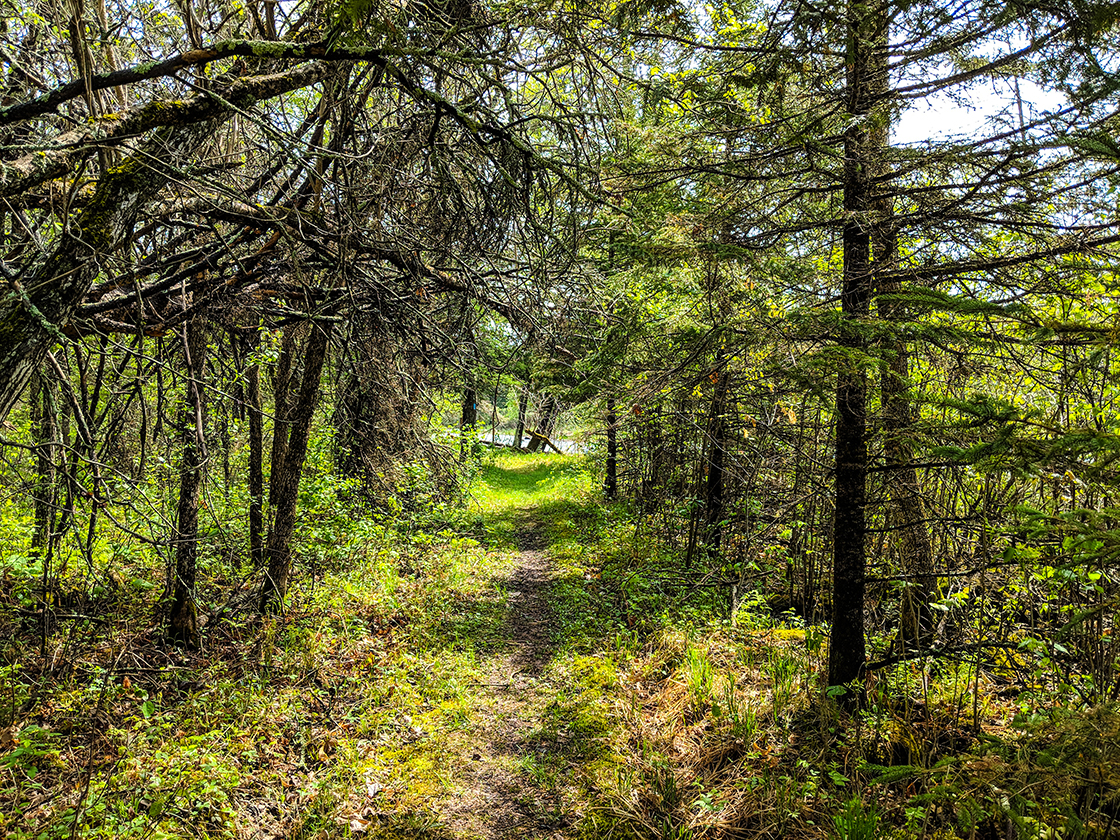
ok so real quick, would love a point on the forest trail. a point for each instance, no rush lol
(439, 682)
(515, 764)
(501, 795)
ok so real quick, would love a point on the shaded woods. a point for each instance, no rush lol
(838, 553)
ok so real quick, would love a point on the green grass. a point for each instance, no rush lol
(373, 680)
(515, 490)
(361, 708)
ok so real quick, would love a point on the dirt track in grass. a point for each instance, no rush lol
(510, 783)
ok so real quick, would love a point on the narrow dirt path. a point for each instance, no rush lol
(507, 790)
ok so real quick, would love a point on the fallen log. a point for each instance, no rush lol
(536, 441)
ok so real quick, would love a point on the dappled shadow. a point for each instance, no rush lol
(522, 757)
(529, 619)
(474, 622)
(528, 747)
(525, 801)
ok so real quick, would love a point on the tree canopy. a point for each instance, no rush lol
(267, 261)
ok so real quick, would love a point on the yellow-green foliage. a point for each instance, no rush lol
(362, 706)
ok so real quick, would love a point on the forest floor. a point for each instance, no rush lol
(432, 676)
(538, 664)
(505, 783)
(515, 763)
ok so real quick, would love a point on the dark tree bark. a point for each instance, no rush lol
(468, 417)
(183, 625)
(468, 424)
(847, 647)
(494, 413)
(522, 410)
(611, 487)
(535, 440)
(44, 433)
(906, 514)
(256, 462)
(286, 381)
(278, 552)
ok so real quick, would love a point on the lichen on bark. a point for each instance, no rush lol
(30, 323)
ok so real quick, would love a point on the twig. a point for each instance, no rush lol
(936, 652)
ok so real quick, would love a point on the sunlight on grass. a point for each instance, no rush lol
(398, 684)
(512, 481)
(514, 488)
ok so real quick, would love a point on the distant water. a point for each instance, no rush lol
(568, 447)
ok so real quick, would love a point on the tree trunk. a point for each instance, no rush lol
(611, 486)
(907, 516)
(256, 463)
(906, 513)
(548, 408)
(468, 425)
(550, 414)
(356, 415)
(285, 382)
(286, 484)
(44, 433)
(494, 414)
(847, 647)
(183, 628)
(713, 492)
(522, 410)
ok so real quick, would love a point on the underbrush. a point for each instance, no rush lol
(319, 722)
(729, 733)
(725, 729)
(357, 709)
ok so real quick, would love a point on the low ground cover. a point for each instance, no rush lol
(528, 664)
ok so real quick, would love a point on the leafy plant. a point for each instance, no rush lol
(856, 821)
(33, 748)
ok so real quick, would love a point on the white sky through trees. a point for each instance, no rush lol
(961, 116)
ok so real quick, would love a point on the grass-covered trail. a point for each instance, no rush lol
(491, 706)
(537, 664)
(520, 753)
(431, 676)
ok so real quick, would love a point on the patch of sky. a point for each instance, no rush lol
(963, 115)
